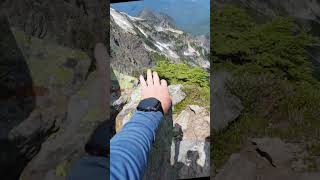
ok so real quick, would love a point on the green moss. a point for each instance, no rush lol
(314, 149)
(124, 81)
(195, 96)
(64, 75)
(46, 60)
(61, 169)
(21, 37)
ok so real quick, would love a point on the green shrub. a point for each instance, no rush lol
(182, 74)
(194, 79)
(273, 77)
(277, 46)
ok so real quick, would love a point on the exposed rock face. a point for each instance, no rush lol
(53, 43)
(178, 94)
(75, 23)
(190, 153)
(131, 96)
(17, 99)
(64, 75)
(267, 158)
(63, 148)
(226, 107)
(159, 159)
(179, 153)
(134, 41)
(127, 51)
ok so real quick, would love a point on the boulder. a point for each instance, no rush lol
(238, 168)
(177, 93)
(46, 57)
(76, 24)
(226, 106)
(190, 150)
(194, 122)
(310, 176)
(61, 78)
(37, 93)
(63, 148)
(180, 149)
(132, 95)
(267, 158)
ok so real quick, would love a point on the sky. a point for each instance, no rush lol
(192, 16)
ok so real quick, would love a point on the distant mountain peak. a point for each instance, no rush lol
(166, 20)
(147, 14)
(161, 19)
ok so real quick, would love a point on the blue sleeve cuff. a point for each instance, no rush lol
(129, 148)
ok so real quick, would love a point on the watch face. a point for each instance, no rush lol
(150, 102)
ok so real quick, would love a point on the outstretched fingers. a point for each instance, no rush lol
(149, 78)
(142, 81)
(164, 83)
(156, 79)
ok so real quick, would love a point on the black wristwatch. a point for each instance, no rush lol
(150, 104)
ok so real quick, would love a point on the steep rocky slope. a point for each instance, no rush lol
(302, 9)
(133, 40)
(261, 140)
(181, 149)
(48, 86)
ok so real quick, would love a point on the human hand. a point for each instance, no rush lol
(155, 88)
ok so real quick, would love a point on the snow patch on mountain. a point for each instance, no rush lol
(191, 51)
(148, 48)
(122, 21)
(134, 18)
(157, 34)
(142, 31)
(161, 29)
(165, 48)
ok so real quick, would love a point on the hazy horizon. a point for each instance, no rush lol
(192, 16)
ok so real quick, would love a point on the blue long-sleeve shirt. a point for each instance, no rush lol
(129, 151)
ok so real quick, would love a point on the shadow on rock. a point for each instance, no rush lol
(17, 99)
(187, 165)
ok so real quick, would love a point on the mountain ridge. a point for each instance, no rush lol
(151, 33)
